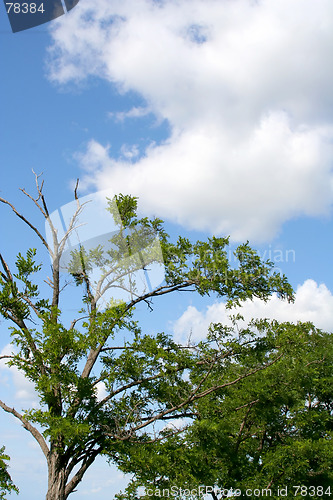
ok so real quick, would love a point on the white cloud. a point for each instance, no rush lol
(130, 152)
(313, 303)
(246, 89)
(24, 389)
(103, 478)
(135, 112)
(101, 391)
(176, 424)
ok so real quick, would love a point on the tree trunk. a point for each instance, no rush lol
(56, 478)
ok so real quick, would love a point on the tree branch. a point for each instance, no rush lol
(33, 431)
(20, 216)
(94, 353)
(8, 356)
(79, 475)
(194, 396)
(242, 426)
(5, 266)
(128, 386)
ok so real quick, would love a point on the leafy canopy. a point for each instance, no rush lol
(6, 483)
(273, 429)
(145, 379)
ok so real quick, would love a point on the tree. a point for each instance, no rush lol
(6, 483)
(272, 430)
(145, 377)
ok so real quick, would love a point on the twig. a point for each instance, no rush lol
(33, 431)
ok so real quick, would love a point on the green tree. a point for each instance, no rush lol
(145, 378)
(6, 483)
(271, 430)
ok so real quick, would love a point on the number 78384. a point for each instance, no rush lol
(24, 8)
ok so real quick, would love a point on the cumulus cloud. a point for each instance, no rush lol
(313, 303)
(135, 112)
(101, 391)
(246, 89)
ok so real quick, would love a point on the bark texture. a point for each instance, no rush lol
(56, 489)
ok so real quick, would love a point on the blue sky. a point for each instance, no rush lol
(218, 115)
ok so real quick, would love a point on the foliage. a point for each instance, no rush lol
(145, 378)
(273, 429)
(6, 483)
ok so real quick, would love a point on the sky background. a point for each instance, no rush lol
(217, 114)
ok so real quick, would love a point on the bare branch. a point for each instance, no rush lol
(69, 230)
(76, 454)
(26, 221)
(5, 266)
(29, 362)
(40, 193)
(247, 404)
(35, 201)
(27, 425)
(31, 305)
(75, 190)
(73, 323)
(239, 437)
(316, 361)
(78, 476)
(71, 226)
(58, 248)
(7, 356)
